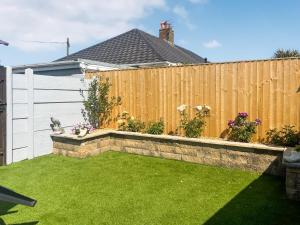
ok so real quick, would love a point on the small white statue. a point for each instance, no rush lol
(56, 127)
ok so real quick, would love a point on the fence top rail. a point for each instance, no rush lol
(198, 64)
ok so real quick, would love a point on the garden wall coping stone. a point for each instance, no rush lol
(170, 138)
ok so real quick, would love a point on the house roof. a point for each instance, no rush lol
(136, 47)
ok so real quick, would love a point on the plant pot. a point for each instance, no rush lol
(291, 156)
(83, 132)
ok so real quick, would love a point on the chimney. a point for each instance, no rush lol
(166, 32)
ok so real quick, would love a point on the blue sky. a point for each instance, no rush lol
(217, 29)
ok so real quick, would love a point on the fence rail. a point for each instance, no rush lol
(266, 89)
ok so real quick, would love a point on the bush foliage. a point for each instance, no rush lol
(155, 127)
(194, 127)
(287, 136)
(129, 123)
(97, 105)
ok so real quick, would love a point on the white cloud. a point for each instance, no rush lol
(212, 44)
(198, 1)
(180, 11)
(54, 20)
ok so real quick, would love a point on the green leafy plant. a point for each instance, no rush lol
(98, 105)
(240, 129)
(129, 123)
(194, 127)
(287, 136)
(135, 125)
(155, 127)
(281, 53)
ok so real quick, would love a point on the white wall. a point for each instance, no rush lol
(31, 100)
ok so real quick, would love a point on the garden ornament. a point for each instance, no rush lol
(291, 156)
(56, 127)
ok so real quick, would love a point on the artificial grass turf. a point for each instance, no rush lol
(119, 188)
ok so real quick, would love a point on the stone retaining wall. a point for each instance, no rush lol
(293, 181)
(255, 157)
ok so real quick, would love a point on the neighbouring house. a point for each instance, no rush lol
(67, 68)
(137, 48)
(132, 49)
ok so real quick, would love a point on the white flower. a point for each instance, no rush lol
(207, 107)
(199, 108)
(120, 121)
(181, 108)
(132, 118)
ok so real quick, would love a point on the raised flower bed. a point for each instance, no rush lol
(246, 156)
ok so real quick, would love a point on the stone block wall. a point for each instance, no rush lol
(252, 157)
(292, 182)
(80, 148)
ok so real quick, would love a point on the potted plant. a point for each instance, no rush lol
(292, 155)
(82, 129)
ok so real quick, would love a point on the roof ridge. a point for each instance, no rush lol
(142, 34)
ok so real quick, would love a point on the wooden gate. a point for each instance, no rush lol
(2, 114)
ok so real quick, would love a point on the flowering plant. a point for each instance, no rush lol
(129, 123)
(242, 130)
(81, 126)
(194, 127)
(286, 136)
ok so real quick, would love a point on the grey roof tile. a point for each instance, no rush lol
(135, 47)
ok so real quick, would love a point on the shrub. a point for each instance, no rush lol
(287, 136)
(135, 125)
(155, 127)
(240, 129)
(98, 106)
(194, 127)
(129, 123)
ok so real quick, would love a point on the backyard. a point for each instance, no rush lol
(121, 188)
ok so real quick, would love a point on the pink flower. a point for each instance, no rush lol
(231, 123)
(243, 114)
(257, 122)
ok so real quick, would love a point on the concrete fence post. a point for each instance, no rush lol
(29, 74)
(9, 116)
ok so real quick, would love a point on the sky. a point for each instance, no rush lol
(220, 30)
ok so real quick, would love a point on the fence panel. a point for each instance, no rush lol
(267, 89)
(33, 100)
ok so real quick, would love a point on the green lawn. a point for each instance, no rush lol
(119, 188)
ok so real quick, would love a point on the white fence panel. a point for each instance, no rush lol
(20, 96)
(19, 81)
(47, 96)
(33, 100)
(20, 111)
(42, 142)
(59, 83)
(20, 154)
(67, 113)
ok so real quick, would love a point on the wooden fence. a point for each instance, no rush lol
(266, 89)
